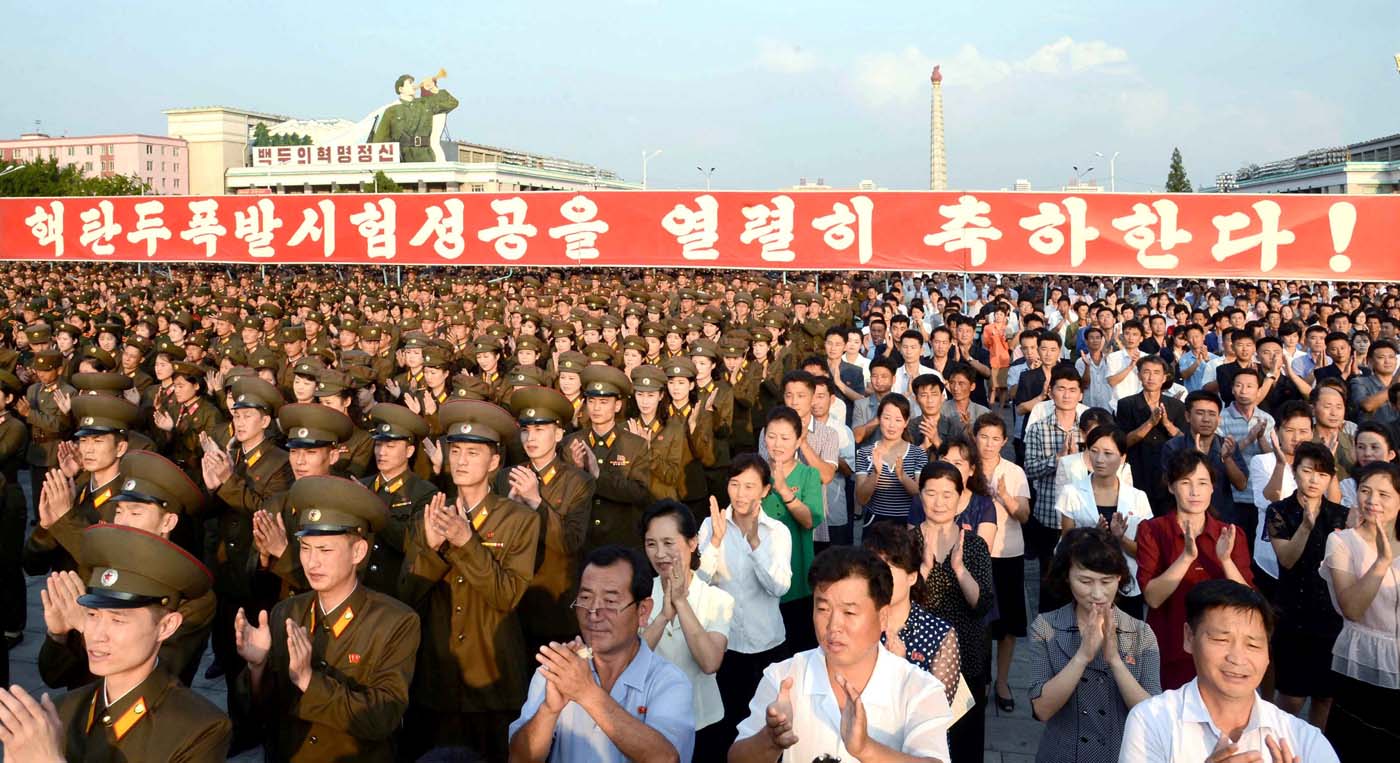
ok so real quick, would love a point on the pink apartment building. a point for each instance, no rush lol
(163, 163)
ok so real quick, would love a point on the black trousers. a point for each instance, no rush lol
(968, 737)
(738, 679)
(13, 513)
(1040, 544)
(1363, 722)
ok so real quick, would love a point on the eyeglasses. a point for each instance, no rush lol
(607, 610)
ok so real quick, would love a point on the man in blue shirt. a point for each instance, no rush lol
(607, 697)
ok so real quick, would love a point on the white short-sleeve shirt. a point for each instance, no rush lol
(715, 610)
(906, 708)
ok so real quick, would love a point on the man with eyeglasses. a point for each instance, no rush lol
(608, 680)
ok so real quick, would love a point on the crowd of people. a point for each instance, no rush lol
(593, 515)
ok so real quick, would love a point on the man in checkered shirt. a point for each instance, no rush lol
(1048, 440)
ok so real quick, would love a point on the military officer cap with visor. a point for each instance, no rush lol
(311, 425)
(391, 421)
(605, 381)
(148, 477)
(541, 405)
(476, 421)
(679, 367)
(132, 568)
(327, 505)
(103, 414)
(252, 392)
(648, 378)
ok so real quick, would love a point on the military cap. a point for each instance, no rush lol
(572, 362)
(679, 367)
(712, 315)
(312, 425)
(133, 568)
(676, 327)
(648, 378)
(39, 333)
(541, 405)
(525, 376)
(532, 316)
(196, 339)
(333, 382)
(272, 310)
(103, 414)
(252, 392)
(497, 331)
(688, 294)
(599, 351)
(436, 357)
(635, 308)
(775, 319)
(476, 421)
(650, 329)
(467, 387)
(48, 360)
(142, 344)
(412, 339)
(802, 298)
(325, 354)
(634, 343)
(104, 360)
(251, 322)
(166, 346)
(264, 358)
(732, 350)
(327, 505)
(350, 325)
(360, 373)
(605, 381)
(69, 329)
(486, 343)
(704, 348)
(102, 382)
(187, 369)
(152, 478)
(291, 334)
(10, 383)
(764, 293)
(562, 328)
(744, 297)
(595, 301)
(115, 329)
(529, 342)
(394, 422)
(373, 332)
(311, 367)
(456, 318)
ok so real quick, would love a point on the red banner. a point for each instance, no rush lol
(1207, 235)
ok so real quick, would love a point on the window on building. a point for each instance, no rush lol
(148, 166)
(150, 149)
(177, 183)
(87, 166)
(149, 183)
(71, 150)
(111, 148)
(162, 166)
(177, 166)
(87, 150)
(478, 188)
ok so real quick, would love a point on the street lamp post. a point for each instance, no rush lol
(646, 157)
(707, 174)
(1112, 178)
(1079, 175)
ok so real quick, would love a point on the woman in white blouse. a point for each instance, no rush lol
(747, 554)
(1102, 500)
(1361, 573)
(689, 617)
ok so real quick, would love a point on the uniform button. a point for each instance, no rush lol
(313, 739)
(597, 522)
(460, 636)
(106, 719)
(459, 609)
(1083, 712)
(376, 547)
(374, 568)
(461, 579)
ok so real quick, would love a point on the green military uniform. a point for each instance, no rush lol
(680, 452)
(410, 124)
(362, 651)
(472, 666)
(566, 498)
(622, 489)
(193, 418)
(717, 398)
(145, 477)
(48, 426)
(158, 719)
(406, 494)
(354, 460)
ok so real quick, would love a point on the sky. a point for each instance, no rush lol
(765, 92)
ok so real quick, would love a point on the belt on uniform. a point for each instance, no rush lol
(418, 141)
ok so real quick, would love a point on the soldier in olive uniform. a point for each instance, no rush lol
(619, 461)
(396, 432)
(14, 442)
(138, 711)
(409, 122)
(714, 394)
(178, 433)
(49, 423)
(328, 671)
(335, 390)
(562, 495)
(153, 495)
(469, 562)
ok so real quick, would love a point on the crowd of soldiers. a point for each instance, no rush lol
(432, 452)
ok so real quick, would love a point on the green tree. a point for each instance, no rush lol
(46, 178)
(260, 135)
(383, 183)
(1177, 181)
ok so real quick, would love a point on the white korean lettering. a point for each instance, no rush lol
(378, 225)
(581, 234)
(150, 228)
(1139, 234)
(511, 233)
(1046, 236)
(968, 227)
(98, 228)
(1267, 240)
(317, 224)
(696, 230)
(46, 226)
(837, 226)
(771, 227)
(255, 226)
(446, 227)
(204, 228)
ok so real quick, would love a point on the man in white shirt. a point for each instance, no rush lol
(1218, 716)
(911, 348)
(849, 698)
(1271, 478)
(1122, 364)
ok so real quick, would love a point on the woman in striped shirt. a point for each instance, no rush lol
(887, 470)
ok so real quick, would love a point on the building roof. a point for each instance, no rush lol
(248, 112)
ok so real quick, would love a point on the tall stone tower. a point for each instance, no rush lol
(938, 157)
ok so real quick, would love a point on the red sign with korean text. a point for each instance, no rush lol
(1352, 238)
